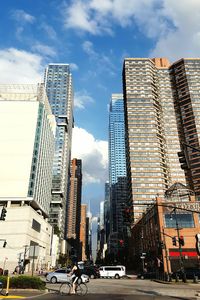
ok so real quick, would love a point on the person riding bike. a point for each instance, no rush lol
(76, 275)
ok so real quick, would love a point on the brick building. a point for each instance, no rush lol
(155, 237)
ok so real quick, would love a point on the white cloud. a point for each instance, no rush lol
(102, 61)
(89, 49)
(44, 49)
(98, 17)
(49, 30)
(17, 66)
(74, 66)
(183, 39)
(81, 99)
(94, 155)
(22, 16)
(174, 25)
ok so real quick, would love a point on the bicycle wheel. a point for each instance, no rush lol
(65, 288)
(81, 289)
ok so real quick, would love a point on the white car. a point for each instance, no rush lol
(112, 271)
(61, 275)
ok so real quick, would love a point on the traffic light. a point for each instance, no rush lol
(4, 244)
(3, 214)
(121, 242)
(181, 240)
(174, 241)
(183, 160)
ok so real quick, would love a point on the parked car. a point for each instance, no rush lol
(91, 271)
(189, 272)
(112, 271)
(60, 275)
(146, 275)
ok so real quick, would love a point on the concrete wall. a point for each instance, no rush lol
(17, 231)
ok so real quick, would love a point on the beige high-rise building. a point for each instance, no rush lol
(83, 232)
(152, 138)
(185, 76)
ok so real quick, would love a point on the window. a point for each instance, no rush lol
(36, 225)
(184, 220)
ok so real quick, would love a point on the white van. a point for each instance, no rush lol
(112, 271)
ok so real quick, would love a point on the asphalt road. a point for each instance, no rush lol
(125, 289)
(113, 289)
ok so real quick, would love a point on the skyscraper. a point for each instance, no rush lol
(74, 204)
(107, 211)
(27, 146)
(27, 134)
(152, 136)
(58, 84)
(185, 77)
(83, 233)
(117, 163)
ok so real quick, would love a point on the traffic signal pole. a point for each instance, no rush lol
(166, 255)
(180, 247)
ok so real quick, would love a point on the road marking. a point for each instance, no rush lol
(12, 297)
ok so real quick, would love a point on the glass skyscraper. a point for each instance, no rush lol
(117, 163)
(58, 83)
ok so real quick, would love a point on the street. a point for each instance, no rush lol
(131, 289)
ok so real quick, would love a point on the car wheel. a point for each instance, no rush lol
(117, 276)
(53, 279)
(92, 276)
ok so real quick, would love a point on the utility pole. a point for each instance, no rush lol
(166, 254)
(25, 250)
(33, 264)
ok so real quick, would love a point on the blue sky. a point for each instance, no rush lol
(94, 36)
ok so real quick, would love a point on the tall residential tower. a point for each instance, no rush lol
(161, 113)
(58, 84)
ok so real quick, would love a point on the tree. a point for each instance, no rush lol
(56, 230)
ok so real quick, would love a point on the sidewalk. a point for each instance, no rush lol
(22, 293)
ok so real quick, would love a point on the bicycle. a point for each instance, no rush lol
(2, 290)
(66, 288)
(1, 287)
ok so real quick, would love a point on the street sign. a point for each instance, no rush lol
(142, 257)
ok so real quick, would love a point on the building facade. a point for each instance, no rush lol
(185, 76)
(83, 233)
(152, 136)
(164, 239)
(26, 154)
(107, 211)
(58, 84)
(74, 204)
(26, 159)
(117, 163)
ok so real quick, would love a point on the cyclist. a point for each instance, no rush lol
(76, 275)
